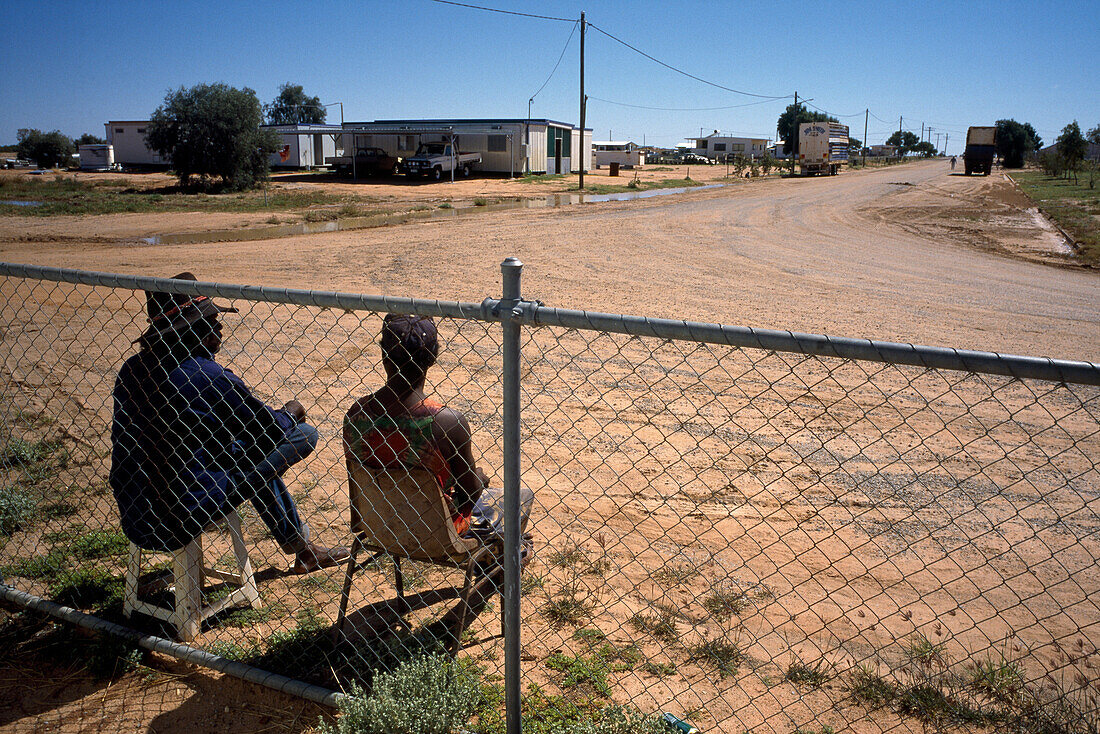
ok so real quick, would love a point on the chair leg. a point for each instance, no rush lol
(399, 584)
(247, 578)
(187, 565)
(346, 593)
(133, 576)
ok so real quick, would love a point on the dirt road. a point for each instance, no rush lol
(906, 253)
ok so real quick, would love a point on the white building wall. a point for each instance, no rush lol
(128, 140)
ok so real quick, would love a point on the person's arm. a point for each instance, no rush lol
(454, 441)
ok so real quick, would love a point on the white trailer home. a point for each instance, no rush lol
(127, 137)
(624, 152)
(718, 147)
(512, 146)
(96, 157)
(303, 146)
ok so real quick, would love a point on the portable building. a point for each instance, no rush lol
(302, 145)
(96, 156)
(718, 147)
(127, 137)
(512, 146)
(624, 152)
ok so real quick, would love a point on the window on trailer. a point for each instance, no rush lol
(498, 143)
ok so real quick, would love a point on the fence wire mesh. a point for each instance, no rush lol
(750, 539)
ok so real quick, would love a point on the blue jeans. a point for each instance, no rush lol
(267, 491)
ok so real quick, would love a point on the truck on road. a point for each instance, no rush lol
(435, 159)
(981, 145)
(822, 147)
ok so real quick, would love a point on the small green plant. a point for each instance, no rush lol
(724, 604)
(662, 625)
(588, 672)
(658, 669)
(567, 607)
(1000, 679)
(825, 729)
(431, 694)
(446, 205)
(15, 509)
(869, 687)
(923, 651)
(99, 544)
(21, 453)
(724, 655)
(480, 201)
(803, 674)
(273, 220)
(674, 574)
(87, 587)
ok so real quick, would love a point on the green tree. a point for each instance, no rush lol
(1072, 147)
(1093, 135)
(792, 117)
(293, 106)
(212, 132)
(905, 140)
(925, 148)
(45, 149)
(1015, 140)
(89, 139)
(855, 145)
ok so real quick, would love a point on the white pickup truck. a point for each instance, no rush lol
(435, 159)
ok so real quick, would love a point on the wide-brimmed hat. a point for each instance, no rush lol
(173, 312)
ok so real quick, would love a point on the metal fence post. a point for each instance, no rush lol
(511, 269)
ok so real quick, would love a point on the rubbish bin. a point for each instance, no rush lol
(613, 167)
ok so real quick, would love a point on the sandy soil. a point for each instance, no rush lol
(840, 509)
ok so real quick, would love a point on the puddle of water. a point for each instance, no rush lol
(382, 220)
(13, 202)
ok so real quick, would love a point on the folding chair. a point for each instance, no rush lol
(404, 514)
(189, 573)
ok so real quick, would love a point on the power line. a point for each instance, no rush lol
(504, 12)
(826, 112)
(680, 109)
(681, 71)
(566, 48)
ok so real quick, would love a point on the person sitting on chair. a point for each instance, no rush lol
(190, 442)
(400, 427)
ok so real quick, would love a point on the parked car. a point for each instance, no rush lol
(368, 162)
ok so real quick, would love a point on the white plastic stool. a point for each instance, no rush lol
(188, 577)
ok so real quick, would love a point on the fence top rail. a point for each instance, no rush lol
(945, 358)
(532, 312)
(293, 296)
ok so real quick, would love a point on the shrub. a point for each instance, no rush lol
(15, 509)
(431, 694)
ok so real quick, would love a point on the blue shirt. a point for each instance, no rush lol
(180, 443)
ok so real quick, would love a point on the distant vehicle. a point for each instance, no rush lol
(696, 159)
(822, 147)
(368, 162)
(981, 145)
(17, 163)
(435, 159)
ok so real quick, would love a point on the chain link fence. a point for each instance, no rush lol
(752, 531)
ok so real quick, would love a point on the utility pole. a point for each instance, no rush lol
(581, 151)
(793, 134)
(866, 112)
(899, 136)
(922, 132)
(946, 140)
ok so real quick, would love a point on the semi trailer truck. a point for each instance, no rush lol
(981, 145)
(822, 147)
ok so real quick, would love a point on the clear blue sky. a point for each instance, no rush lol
(948, 64)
